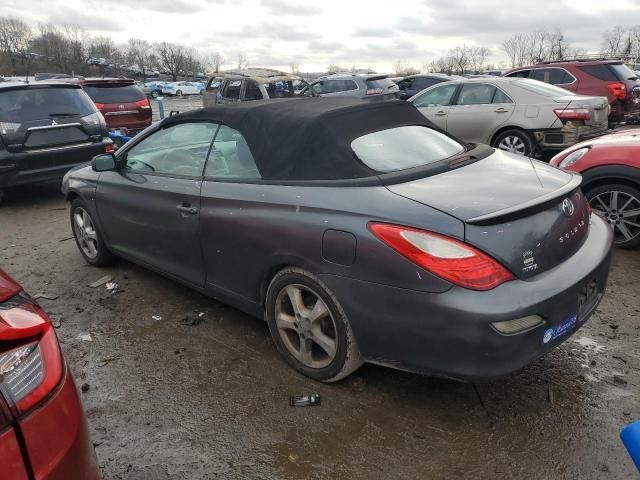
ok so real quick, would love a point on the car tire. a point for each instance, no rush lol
(601, 199)
(178, 93)
(88, 236)
(298, 326)
(515, 141)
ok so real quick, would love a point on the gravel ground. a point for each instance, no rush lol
(211, 400)
(177, 104)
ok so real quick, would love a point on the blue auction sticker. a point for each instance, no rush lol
(563, 327)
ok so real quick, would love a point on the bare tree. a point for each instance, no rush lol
(216, 61)
(15, 38)
(172, 58)
(242, 61)
(295, 68)
(613, 41)
(478, 57)
(138, 53)
(404, 69)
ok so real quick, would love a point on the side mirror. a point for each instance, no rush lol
(104, 162)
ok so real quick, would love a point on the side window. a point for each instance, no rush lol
(476, 94)
(231, 157)
(554, 76)
(406, 83)
(437, 97)
(501, 97)
(601, 72)
(252, 91)
(422, 83)
(320, 87)
(346, 85)
(232, 89)
(179, 150)
(520, 74)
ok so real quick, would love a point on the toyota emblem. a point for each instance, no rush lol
(568, 207)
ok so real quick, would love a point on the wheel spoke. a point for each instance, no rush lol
(295, 296)
(624, 230)
(92, 234)
(604, 206)
(305, 353)
(630, 213)
(325, 342)
(613, 201)
(626, 204)
(633, 224)
(285, 322)
(78, 219)
(318, 311)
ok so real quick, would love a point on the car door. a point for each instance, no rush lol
(149, 207)
(434, 103)
(228, 218)
(475, 116)
(251, 91)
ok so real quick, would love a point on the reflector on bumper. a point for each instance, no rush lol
(519, 325)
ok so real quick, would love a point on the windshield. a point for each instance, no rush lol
(542, 88)
(23, 105)
(400, 148)
(114, 93)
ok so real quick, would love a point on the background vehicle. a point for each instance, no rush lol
(63, 77)
(356, 85)
(413, 84)
(518, 115)
(43, 430)
(610, 168)
(416, 250)
(122, 103)
(45, 129)
(155, 88)
(180, 88)
(251, 84)
(145, 88)
(607, 78)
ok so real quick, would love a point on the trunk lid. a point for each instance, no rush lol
(526, 214)
(597, 107)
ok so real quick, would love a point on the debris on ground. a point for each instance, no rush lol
(101, 281)
(55, 321)
(550, 395)
(310, 400)
(66, 238)
(191, 319)
(85, 387)
(46, 296)
(107, 361)
(112, 287)
(619, 380)
(157, 318)
(85, 337)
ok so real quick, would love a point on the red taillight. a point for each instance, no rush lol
(8, 288)
(109, 148)
(28, 372)
(618, 90)
(143, 104)
(455, 261)
(374, 91)
(99, 106)
(573, 114)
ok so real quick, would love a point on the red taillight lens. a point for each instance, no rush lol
(455, 261)
(28, 372)
(143, 104)
(8, 288)
(374, 91)
(573, 114)
(618, 90)
(109, 148)
(99, 106)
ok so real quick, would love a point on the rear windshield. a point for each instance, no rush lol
(114, 93)
(23, 105)
(383, 83)
(542, 88)
(400, 148)
(623, 72)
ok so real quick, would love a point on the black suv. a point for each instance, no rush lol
(45, 129)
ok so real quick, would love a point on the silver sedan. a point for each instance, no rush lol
(515, 114)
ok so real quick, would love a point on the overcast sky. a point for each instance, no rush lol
(371, 33)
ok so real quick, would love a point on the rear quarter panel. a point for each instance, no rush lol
(248, 230)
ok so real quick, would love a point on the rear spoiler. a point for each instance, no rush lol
(377, 77)
(570, 186)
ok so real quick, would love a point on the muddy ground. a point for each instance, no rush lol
(211, 400)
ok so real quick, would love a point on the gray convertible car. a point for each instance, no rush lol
(358, 230)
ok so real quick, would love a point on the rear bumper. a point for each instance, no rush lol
(450, 334)
(45, 164)
(568, 135)
(57, 439)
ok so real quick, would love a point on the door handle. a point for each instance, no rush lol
(187, 209)
(440, 114)
(501, 110)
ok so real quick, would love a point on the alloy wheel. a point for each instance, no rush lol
(85, 232)
(513, 144)
(306, 326)
(621, 210)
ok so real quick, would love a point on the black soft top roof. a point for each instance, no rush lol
(307, 138)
